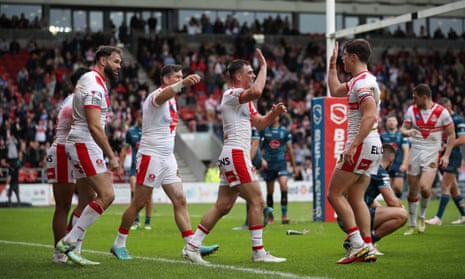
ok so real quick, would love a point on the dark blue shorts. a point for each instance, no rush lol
(132, 171)
(455, 161)
(275, 170)
(395, 172)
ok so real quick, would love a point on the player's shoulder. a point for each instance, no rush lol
(364, 79)
(92, 80)
(88, 77)
(458, 118)
(382, 172)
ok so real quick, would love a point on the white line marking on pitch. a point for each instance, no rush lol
(219, 266)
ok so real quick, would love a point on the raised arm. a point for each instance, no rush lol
(262, 121)
(171, 91)
(336, 88)
(256, 88)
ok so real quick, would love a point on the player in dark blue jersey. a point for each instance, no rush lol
(384, 219)
(132, 141)
(401, 144)
(276, 141)
(449, 185)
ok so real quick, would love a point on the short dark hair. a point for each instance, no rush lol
(77, 74)
(359, 47)
(169, 69)
(443, 100)
(235, 66)
(387, 148)
(423, 89)
(105, 51)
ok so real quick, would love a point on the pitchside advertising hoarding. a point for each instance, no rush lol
(196, 192)
(329, 134)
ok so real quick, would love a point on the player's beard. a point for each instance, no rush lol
(110, 74)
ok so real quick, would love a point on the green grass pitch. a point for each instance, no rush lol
(26, 248)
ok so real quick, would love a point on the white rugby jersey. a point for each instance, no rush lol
(64, 120)
(158, 126)
(361, 86)
(430, 122)
(91, 92)
(237, 119)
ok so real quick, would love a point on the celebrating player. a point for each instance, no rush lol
(425, 122)
(87, 143)
(156, 164)
(362, 154)
(238, 175)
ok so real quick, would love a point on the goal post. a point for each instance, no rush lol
(329, 115)
(332, 35)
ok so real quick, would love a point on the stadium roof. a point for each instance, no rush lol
(355, 7)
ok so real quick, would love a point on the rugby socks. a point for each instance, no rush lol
(368, 241)
(187, 235)
(269, 200)
(442, 205)
(256, 235)
(460, 204)
(200, 233)
(121, 238)
(284, 203)
(137, 220)
(147, 220)
(412, 211)
(74, 219)
(424, 201)
(89, 215)
(374, 237)
(355, 237)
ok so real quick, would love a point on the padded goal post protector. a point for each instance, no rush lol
(329, 135)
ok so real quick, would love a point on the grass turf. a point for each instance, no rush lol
(26, 248)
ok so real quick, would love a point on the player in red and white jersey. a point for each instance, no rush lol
(424, 123)
(87, 143)
(91, 92)
(237, 172)
(59, 173)
(159, 122)
(156, 164)
(363, 151)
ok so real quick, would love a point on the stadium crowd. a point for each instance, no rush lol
(31, 95)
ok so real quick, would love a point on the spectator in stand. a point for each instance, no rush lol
(210, 107)
(4, 46)
(123, 32)
(13, 179)
(40, 135)
(14, 46)
(152, 23)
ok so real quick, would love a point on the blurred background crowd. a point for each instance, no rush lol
(34, 79)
